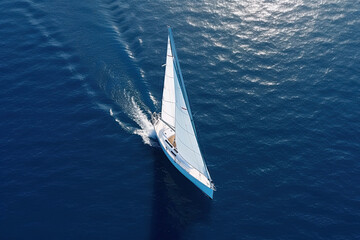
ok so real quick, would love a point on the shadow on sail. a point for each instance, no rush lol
(177, 203)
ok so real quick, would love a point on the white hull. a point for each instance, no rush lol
(164, 134)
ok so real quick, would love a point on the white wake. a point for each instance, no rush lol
(145, 129)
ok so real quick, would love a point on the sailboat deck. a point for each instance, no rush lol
(172, 140)
(167, 134)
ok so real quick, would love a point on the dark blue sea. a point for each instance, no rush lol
(274, 87)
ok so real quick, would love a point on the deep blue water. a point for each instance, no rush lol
(275, 91)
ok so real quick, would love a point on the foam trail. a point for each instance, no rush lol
(146, 130)
(131, 105)
(129, 99)
(123, 125)
(153, 99)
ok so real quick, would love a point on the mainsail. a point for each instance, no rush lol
(186, 139)
(168, 99)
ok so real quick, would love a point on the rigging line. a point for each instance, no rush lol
(168, 101)
(167, 124)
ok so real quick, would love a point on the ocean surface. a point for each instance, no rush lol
(274, 87)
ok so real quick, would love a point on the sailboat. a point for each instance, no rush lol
(174, 126)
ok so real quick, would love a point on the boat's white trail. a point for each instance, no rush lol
(153, 99)
(123, 125)
(147, 129)
(135, 113)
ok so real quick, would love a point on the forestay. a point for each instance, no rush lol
(168, 99)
